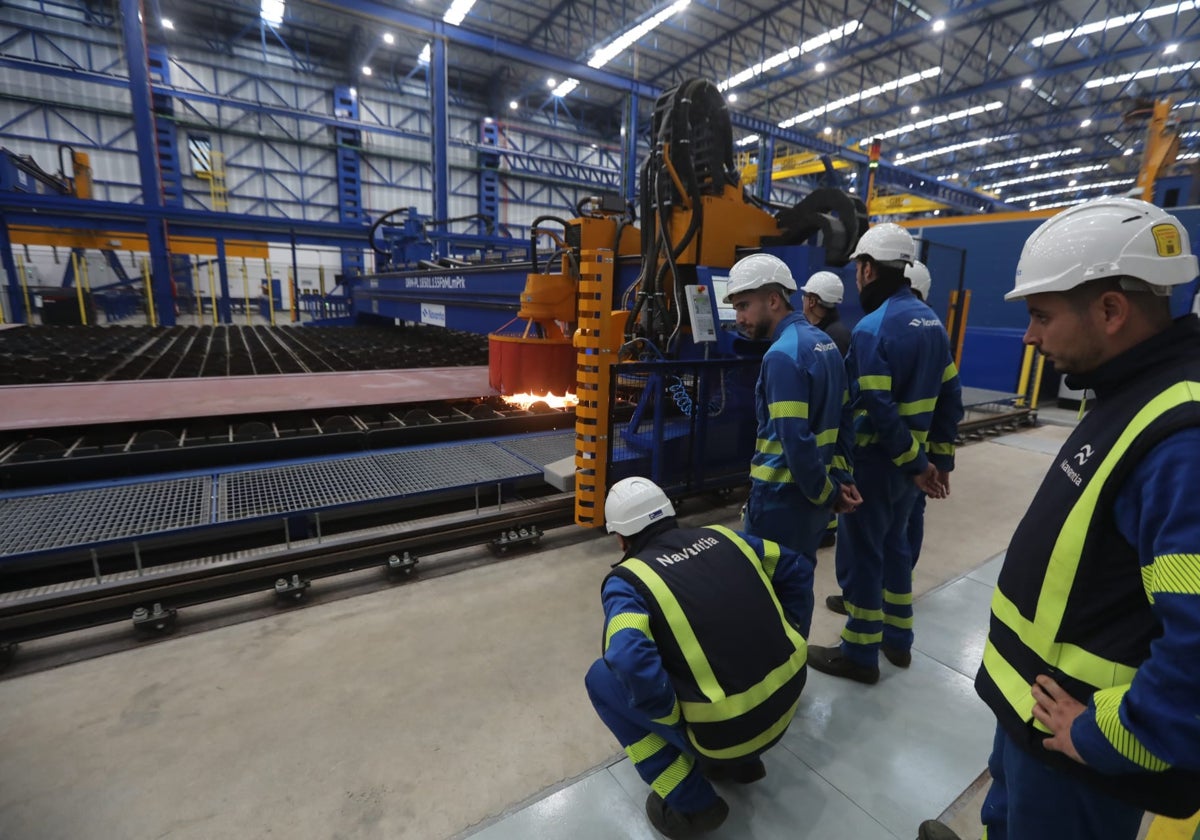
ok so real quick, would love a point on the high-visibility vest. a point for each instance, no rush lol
(736, 663)
(1071, 602)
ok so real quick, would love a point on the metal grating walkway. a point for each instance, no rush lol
(77, 519)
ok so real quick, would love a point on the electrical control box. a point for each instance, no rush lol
(700, 313)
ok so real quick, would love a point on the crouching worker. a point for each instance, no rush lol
(704, 653)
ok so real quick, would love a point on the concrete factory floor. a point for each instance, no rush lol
(455, 706)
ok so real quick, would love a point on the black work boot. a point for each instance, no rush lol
(742, 774)
(934, 830)
(899, 658)
(836, 603)
(679, 826)
(831, 660)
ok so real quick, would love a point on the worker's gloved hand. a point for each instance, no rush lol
(847, 500)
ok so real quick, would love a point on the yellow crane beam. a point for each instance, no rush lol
(891, 205)
(790, 166)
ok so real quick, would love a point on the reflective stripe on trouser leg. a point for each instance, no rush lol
(897, 575)
(866, 539)
(1030, 800)
(658, 752)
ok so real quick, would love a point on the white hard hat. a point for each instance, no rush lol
(887, 242)
(634, 503)
(756, 271)
(827, 286)
(919, 279)
(1107, 237)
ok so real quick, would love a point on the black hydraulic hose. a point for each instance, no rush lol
(533, 260)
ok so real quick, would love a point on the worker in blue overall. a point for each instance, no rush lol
(907, 404)
(1092, 660)
(795, 480)
(704, 653)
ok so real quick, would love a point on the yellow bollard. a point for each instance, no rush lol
(146, 284)
(245, 292)
(270, 292)
(1023, 379)
(196, 292)
(78, 288)
(212, 292)
(25, 289)
(87, 283)
(1037, 381)
(294, 292)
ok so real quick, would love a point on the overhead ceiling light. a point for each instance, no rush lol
(1127, 153)
(939, 25)
(551, 82)
(488, 120)
(732, 97)
(958, 147)
(167, 23)
(631, 36)
(916, 109)
(1188, 156)
(1029, 159)
(862, 96)
(1027, 83)
(956, 116)
(1170, 48)
(1086, 122)
(426, 54)
(1102, 185)
(838, 32)
(1191, 104)
(1148, 73)
(819, 66)
(1114, 23)
(513, 105)
(749, 139)
(828, 130)
(366, 70)
(565, 88)
(458, 11)
(1072, 182)
(389, 38)
(271, 12)
(1033, 165)
(1043, 176)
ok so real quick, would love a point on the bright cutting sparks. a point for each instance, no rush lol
(523, 401)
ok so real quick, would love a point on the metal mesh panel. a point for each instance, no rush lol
(542, 449)
(444, 467)
(253, 493)
(81, 517)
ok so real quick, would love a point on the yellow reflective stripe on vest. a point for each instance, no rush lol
(1177, 574)
(645, 748)
(907, 409)
(770, 558)
(949, 373)
(768, 447)
(775, 475)
(697, 662)
(1108, 719)
(1014, 688)
(875, 383)
(773, 731)
(675, 773)
(627, 621)
(941, 448)
(1072, 660)
(788, 408)
(839, 463)
(672, 718)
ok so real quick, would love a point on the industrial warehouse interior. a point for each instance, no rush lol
(326, 327)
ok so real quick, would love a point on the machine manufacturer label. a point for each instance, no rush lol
(436, 282)
(433, 314)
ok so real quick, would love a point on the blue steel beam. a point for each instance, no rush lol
(439, 137)
(143, 122)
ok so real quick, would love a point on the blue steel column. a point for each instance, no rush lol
(143, 128)
(348, 142)
(440, 137)
(489, 173)
(766, 163)
(224, 304)
(629, 148)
